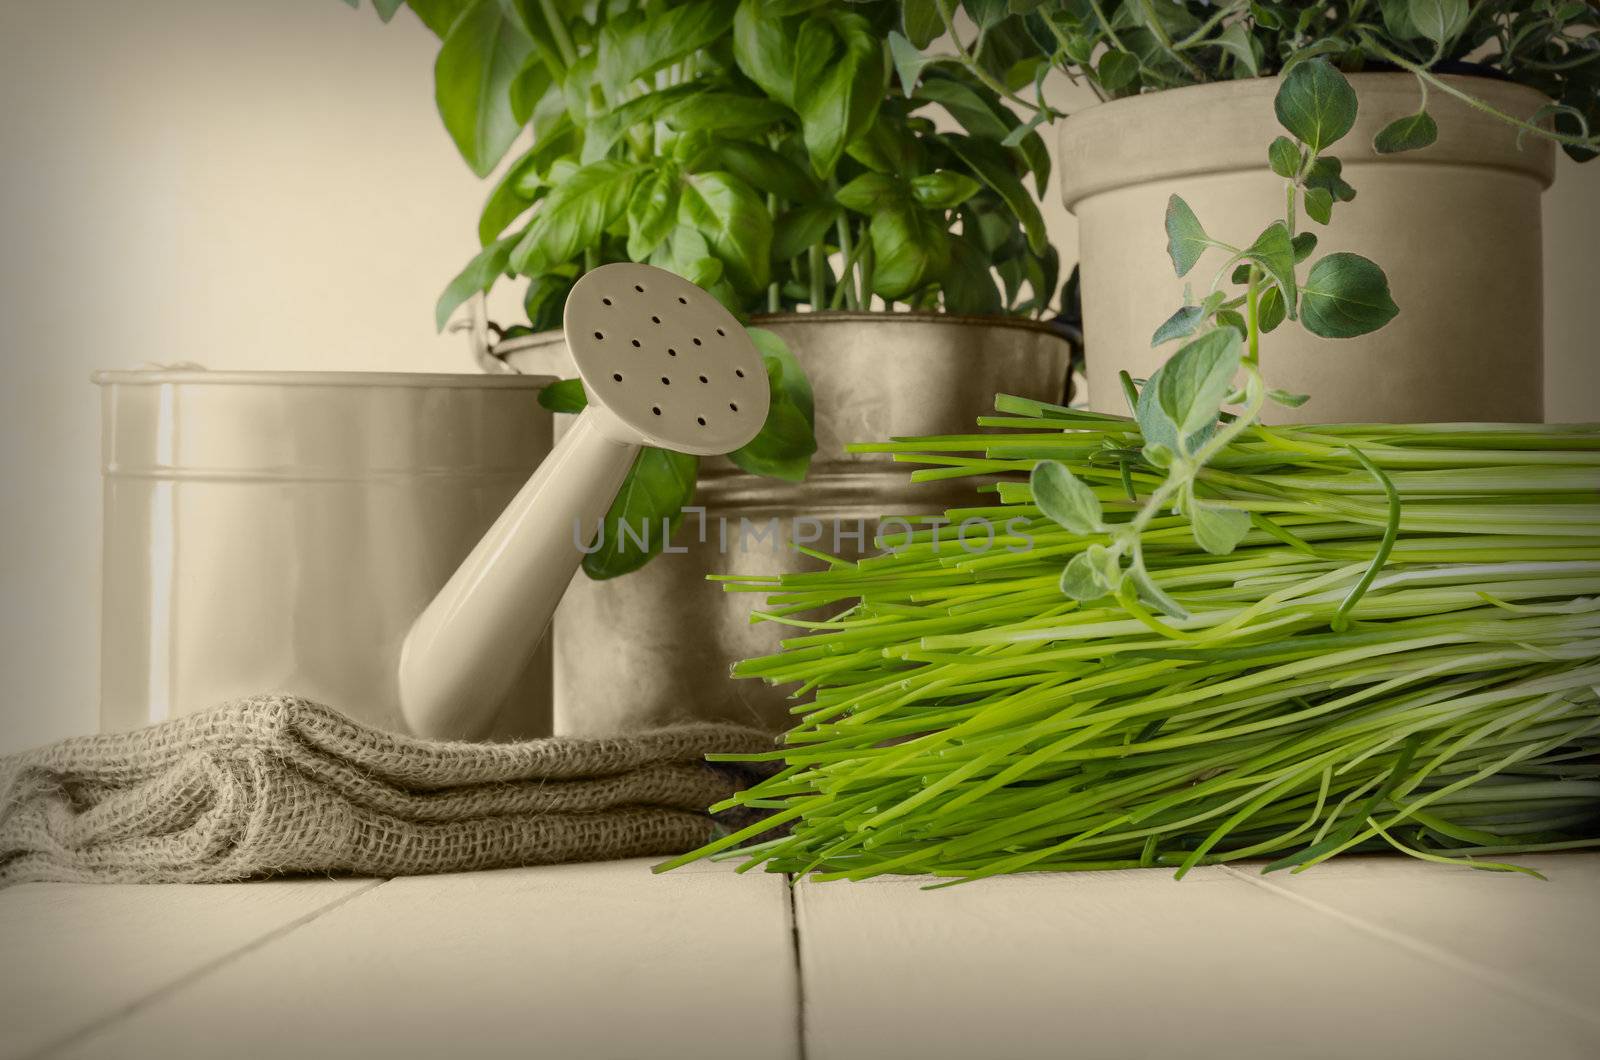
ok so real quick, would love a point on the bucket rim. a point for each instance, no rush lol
(207, 377)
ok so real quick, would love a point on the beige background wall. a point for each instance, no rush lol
(265, 185)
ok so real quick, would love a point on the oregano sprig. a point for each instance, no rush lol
(1180, 409)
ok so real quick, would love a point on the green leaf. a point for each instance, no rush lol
(545, 299)
(1304, 244)
(564, 395)
(1270, 309)
(479, 275)
(921, 22)
(968, 282)
(532, 83)
(908, 61)
(605, 130)
(1346, 295)
(1273, 251)
(1439, 20)
(1316, 103)
(636, 48)
(844, 103)
(1284, 157)
(655, 491)
(787, 440)
(1319, 205)
(687, 253)
(1217, 530)
(992, 165)
(1287, 398)
(1232, 318)
(735, 222)
(480, 57)
(802, 227)
(1187, 320)
(943, 189)
(1152, 594)
(1411, 133)
(1116, 71)
(653, 210)
(763, 169)
(439, 15)
(1327, 172)
(1186, 240)
(911, 248)
(1178, 408)
(1091, 575)
(574, 215)
(516, 191)
(1237, 41)
(869, 193)
(1065, 499)
(764, 49)
(725, 112)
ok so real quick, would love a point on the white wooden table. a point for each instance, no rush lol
(1365, 957)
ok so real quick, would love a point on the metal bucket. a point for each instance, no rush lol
(280, 531)
(656, 645)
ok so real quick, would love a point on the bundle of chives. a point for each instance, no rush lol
(1404, 651)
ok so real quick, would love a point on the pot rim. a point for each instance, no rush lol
(1085, 174)
(205, 377)
(541, 339)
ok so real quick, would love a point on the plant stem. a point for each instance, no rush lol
(968, 61)
(814, 267)
(558, 30)
(847, 272)
(1252, 303)
(1165, 39)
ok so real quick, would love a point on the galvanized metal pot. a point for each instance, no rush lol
(280, 531)
(656, 645)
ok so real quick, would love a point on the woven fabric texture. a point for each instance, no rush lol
(276, 784)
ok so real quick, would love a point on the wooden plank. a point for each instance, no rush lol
(1539, 939)
(77, 955)
(1134, 964)
(598, 960)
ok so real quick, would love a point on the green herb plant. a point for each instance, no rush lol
(1189, 638)
(1179, 409)
(760, 149)
(1121, 48)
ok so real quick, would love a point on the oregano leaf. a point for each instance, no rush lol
(1411, 133)
(1346, 295)
(1273, 251)
(1065, 499)
(1319, 205)
(1316, 103)
(1091, 574)
(1186, 239)
(1287, 398)
(1270, 309)
(1439, 20)
(1304, 244)
(1216, 529)
(1284, 157)
(1152, 594)
(1178, 408)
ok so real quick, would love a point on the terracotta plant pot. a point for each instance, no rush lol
(1455, 226)
(656, 644)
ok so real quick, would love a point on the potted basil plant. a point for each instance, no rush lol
(895, 272)
(1462, 103)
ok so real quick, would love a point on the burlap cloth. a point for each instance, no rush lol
(281, 785)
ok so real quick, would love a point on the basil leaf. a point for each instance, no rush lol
(480, 57)
(908, 62)
(687, 253)
(1065, 499)
(921, 21)
(725, 112)
(632, 48)
(992, 165)
(868, 193)
(606, 130)
(762, 168)
(845, 101)
(1411, 133)
(943, 189)
(968, 282)
(650, 503)
(735, 223)
(652, 211)
(802, 227)
(477, 277)
(564, 395)
(764, 50)
(1186, 240)
(545, 299)
(1316, 103)
(573, 216)
(1346, 295)
(911, 249)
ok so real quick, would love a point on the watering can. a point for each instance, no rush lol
(305, 532)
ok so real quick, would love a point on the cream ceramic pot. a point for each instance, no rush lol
(281, 531)
(1455, 226)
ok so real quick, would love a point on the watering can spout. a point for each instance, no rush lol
(663, 364)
